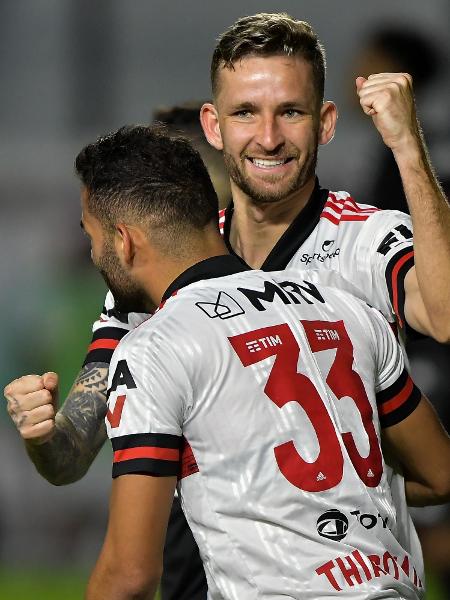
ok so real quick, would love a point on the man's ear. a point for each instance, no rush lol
(124, 244)
(328, 118)
(210, 123)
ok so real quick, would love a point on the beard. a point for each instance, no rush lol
(128, 296)
(277, 187)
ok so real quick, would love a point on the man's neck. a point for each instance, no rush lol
(255, 229)
(159, 268)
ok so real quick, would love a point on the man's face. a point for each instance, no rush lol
(128, 295)
(269, 121)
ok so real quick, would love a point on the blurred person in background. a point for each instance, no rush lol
(185, 119)
(268, 116)
(390, 48)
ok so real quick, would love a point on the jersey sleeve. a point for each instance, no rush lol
(109, 329)
(147, 392)
(396, 394)
(384, 252)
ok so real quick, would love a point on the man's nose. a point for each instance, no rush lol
(269, 135)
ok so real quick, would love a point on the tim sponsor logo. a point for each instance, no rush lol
(265, 342)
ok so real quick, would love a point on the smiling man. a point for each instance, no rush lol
(272, 132)
(269, 117)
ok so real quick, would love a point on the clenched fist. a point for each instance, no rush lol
(388, 98)
(32, 403)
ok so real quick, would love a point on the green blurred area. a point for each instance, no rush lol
(43, 585)
(48, 585)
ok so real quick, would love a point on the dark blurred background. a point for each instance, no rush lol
(71, 70)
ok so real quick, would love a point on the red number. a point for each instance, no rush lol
(285, 385)
(343, 380)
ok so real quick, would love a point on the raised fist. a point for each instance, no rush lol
(32, 404)
(388, 98)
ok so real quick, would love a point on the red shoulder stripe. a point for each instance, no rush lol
(172, 454)
(398, 399)
(103, 343)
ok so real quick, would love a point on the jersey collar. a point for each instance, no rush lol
(294, 236)
(216, 266)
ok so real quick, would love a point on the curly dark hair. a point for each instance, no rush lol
(142, 173)
(269, 34)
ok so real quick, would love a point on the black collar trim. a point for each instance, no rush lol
(294, 236)
(216, 266)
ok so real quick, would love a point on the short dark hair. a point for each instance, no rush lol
(142, 173)
(269, 34)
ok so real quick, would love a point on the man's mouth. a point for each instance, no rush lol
(269, 163)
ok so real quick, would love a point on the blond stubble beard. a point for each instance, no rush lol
(259, 196)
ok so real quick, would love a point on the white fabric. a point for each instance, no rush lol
(256, 530)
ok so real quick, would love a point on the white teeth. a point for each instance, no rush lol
(267, 164)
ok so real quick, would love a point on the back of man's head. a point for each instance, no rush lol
(142, 175)
(269, 34)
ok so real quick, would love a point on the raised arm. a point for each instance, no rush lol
(388, 98)
(62, 446)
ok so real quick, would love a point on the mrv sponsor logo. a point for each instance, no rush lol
(328, 251)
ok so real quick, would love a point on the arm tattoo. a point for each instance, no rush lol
(80, 429)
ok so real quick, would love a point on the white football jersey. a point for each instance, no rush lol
(371, 248)
(266, 394)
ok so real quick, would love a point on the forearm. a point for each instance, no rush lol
(115, 584)
(79, 430)
(66, 457)
(430, 213)
(418, 494)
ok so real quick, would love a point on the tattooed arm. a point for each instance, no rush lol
(62, 446)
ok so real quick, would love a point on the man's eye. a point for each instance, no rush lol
(292, 112)
(243, 114)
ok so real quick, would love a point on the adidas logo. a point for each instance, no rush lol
(370, 473)
(320, 476)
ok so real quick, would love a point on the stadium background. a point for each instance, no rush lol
(71, 70)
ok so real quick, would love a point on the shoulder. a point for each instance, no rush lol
(329, 280)
(342, 207)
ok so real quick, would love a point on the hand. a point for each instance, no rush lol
(388, 98)
(32, 402)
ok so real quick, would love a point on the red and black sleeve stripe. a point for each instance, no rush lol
(398, 401)
(146, 453)
(103, 344)
(396, 271)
